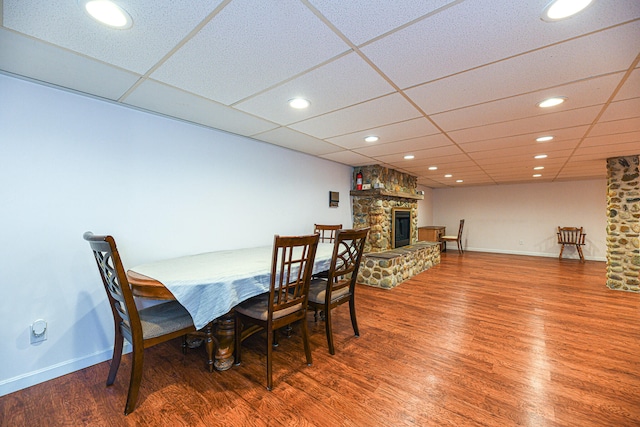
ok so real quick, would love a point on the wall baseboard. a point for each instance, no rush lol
(29, 379)
(540, 254)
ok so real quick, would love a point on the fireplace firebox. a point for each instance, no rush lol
(401, 227)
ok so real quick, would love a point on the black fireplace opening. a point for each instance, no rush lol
(401, 228)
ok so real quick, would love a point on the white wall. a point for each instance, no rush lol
(499, 218)
(161, 187)
(425, 207)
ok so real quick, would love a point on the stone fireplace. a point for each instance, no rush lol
(391, 191)
(388, 204)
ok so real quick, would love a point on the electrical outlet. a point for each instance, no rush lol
(38, 331)
(521, 242)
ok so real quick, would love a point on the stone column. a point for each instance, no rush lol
(623, 223)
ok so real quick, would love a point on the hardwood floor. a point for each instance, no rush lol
(480, 340)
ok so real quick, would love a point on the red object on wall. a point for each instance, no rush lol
(359, 181)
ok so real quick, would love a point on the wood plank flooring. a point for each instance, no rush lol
(480, 340)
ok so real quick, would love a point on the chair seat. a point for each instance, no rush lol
(318, 291)
(449, 237)
(258, 308)
(163, 319)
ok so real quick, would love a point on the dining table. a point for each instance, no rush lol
(209, 285)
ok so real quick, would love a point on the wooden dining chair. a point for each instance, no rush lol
(339, 287)
(572, 236)
(286, 301)
(327, 235)
(142, 328)
(327, 232)
(457, 239)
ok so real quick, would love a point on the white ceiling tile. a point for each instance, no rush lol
(248, 47)
(619, 110)
(349, 158)
(155, 96)
(545, 123)
(580, 94)
(612, 150)
(409, 146)
(631, 87)
(456, 39)
(158, 26)
(285, 137)
(381, 111)
(362, 20)
(346, 81)
(446, 164)
(421, 156)
(525, 153)
(615, 127)
(41, 61)
(559, 135)
(541, 69)
(394, 132)
(604, 140)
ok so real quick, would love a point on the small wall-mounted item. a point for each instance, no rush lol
(334, 199)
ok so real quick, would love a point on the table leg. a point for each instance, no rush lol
(224, 333)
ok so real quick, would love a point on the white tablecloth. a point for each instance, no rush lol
(208, 285)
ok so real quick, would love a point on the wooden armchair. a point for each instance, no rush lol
(572, 236)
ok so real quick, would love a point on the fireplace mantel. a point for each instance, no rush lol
(380, 192)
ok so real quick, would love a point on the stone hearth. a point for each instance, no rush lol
(390, 268)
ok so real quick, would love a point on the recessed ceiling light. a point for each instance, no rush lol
(299, 103)
(448, 175)
(459, 180)
(540, 156)
(409, 157)
(538, 168)
(537, 175)
(552, 102)
(561, 9)
(433, 168)
(107, 13)
(544, 138)
(371, 138)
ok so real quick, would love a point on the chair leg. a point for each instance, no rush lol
(561, 250)
(305, 340)
(352, 312)
(327, 326)
(580, 252)
(115, 359)
(136, 378)
(459, 246)
(269, 357)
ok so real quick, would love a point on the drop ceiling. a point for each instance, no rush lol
(453, 83)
